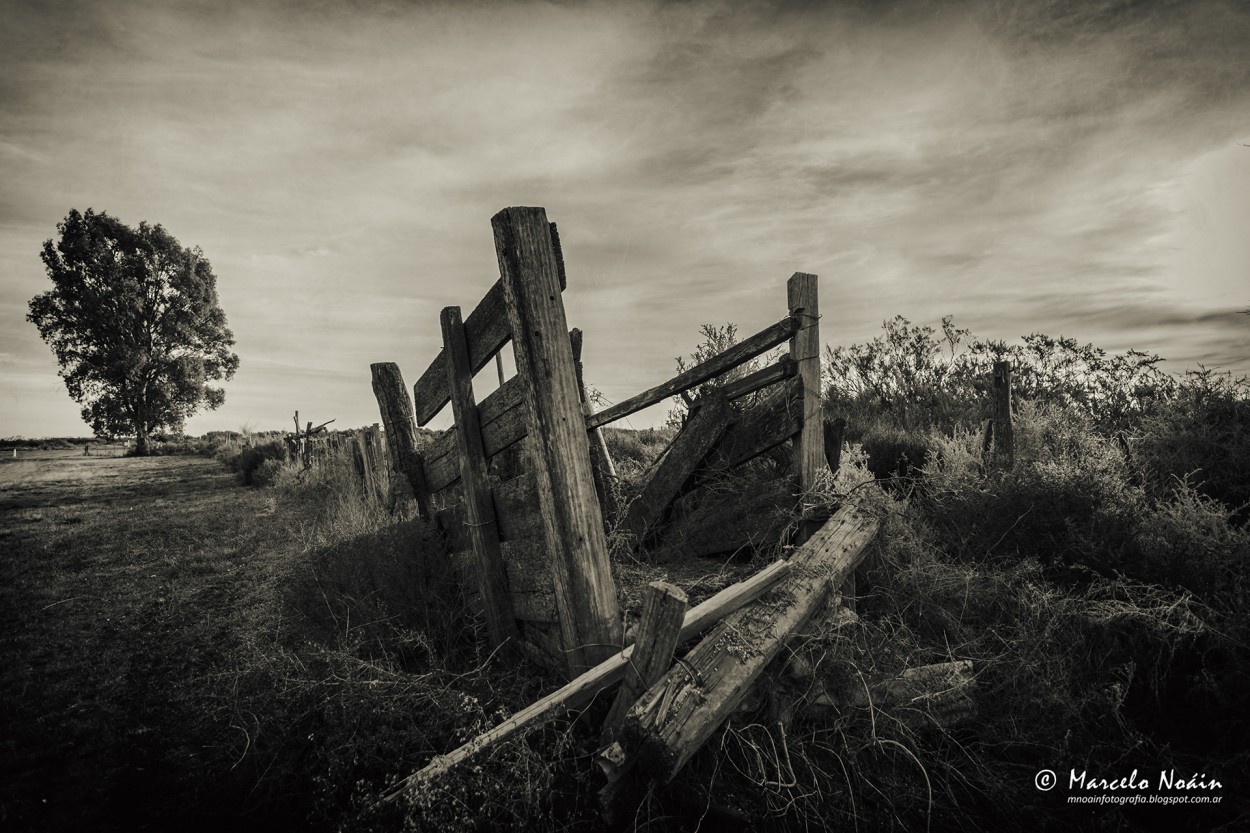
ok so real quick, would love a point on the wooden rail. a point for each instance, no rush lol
(744, 351)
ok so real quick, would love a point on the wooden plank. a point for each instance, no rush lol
(663, 609)
(502, 419)
(742, 352)
(529, 580)
(486, 330)
(479, 506)
(515, 517)
(805, 347)
(667, 477)
(585, 592)
(760, 429)
(442, 465)
(779, 371)
(604, 675)
(681, 711)
(395, 406)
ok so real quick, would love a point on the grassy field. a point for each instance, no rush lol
(121, 589)
(183, 652)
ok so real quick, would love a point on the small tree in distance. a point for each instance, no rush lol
(134, 322)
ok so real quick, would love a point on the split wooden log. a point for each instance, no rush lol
(742, 352)
(583, 688)
(669, 475)
(680, 712)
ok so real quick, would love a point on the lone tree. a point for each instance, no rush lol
(133, 320)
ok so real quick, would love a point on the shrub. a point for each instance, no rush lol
(249, 461)
(1202, 436)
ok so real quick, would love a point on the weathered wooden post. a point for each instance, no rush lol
(600, 460)
(809, 445)
(478, 504)
(1004, 435)
(834, 430)
(395, 405)
(585, 595)
(663, 609)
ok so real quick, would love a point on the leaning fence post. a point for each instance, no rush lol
(1004, 436)
(478, 504)
(809, 445)
(401, 431)
(600, 459)
(585, 595)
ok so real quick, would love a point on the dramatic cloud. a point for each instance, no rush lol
(1068, 167)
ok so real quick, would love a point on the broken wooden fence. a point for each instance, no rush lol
(532, 545)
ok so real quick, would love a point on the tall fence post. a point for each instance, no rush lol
(600, 459)
(395, 405)
(478, 502)
(1004, 434)
(585, 595)
(809, 445)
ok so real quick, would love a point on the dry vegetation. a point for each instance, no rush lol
(181, 652)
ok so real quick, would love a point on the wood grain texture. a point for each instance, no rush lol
(583, 688)
(668, 475)
(556, 427)
(681, 711)
(762, 428)
(805, 347)
(663, 609)
(479, 505)
(486, 331)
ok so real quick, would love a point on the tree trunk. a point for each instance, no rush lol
(141, 440)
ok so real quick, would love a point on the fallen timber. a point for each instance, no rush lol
(584, 687)
(681, 711)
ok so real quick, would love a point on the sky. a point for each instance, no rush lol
(1071, 167)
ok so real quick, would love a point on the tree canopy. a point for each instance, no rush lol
(134, 322)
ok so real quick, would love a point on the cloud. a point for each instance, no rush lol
(1026, 166)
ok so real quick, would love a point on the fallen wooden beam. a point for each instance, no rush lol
(584, 687)
(667, 477)
(742, 352)
(762, 428)
(680, 712)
